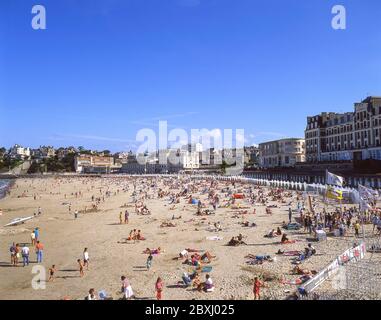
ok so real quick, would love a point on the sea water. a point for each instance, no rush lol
(4, 184)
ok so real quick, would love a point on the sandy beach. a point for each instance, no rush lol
(65, 237)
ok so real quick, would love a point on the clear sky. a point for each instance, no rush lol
(105, 69)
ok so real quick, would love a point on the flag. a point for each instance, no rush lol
(367, 197)
(364, 205)
(334, 179)
(367, 194)
(334, 193)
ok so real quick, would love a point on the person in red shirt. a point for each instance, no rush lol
(256, 289)
(159, 288)
(39, 250)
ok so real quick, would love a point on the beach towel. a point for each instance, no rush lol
(206, 269)
(214, 238)
(293, 282)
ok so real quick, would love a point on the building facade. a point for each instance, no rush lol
(93, 164)
(19, 152)
(345, 136)
(281, 153)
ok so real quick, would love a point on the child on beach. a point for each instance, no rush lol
(126, 288)
(159, 288)
(81, 272)
(256, 288)
(12, 250)
(33, 238)
(149, 261)
(126, 215)
(52, 270)
(86, 258)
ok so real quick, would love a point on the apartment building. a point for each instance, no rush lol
(345, 136)
(281, 153)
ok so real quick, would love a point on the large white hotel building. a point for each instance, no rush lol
(345, 136)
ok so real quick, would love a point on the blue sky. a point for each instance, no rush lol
(105, 69)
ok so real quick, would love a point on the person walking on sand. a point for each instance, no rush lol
(17, 255)
(120, 217)
(33, 238)
(80, 264)
(289, 215)
(159, 288)
(126, 288)
(86, 258)
(39, 251)
(257, 288)
(25, 255)
(12, 250)
(126, 215)
(149, 261)
(36, 233)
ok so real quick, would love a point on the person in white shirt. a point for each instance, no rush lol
(25, 255)
(86, 258)
(92, 295)
(33, 238)
(208, 283)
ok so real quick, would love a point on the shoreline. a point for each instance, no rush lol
(9, 183)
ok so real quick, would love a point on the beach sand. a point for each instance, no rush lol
(65, 237)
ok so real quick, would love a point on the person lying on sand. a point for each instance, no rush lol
(248, 224)
(254, 260)
(207, 257)
(196, 259)
(271, 234)
(167, 225)
(153, 251)
(297, 270)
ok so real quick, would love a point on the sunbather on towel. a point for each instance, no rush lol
(271, 234)
(285, 240)
(139, 236)
(152, 251)
(288, 253)
(306, 272)
(207, 257)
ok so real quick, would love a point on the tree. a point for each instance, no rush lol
(3, 151)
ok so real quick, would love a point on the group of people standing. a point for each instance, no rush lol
(19, 251)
